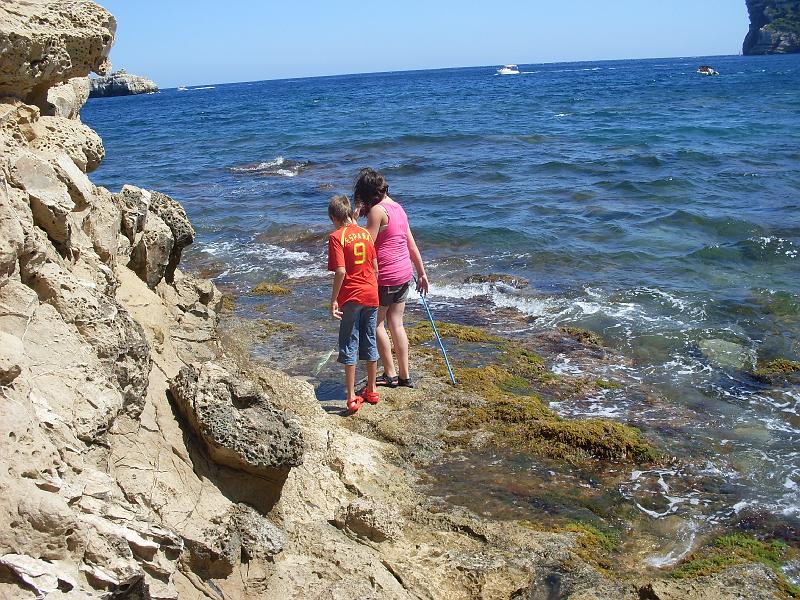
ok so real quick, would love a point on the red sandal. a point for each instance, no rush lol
(354, 404)
(371, 397)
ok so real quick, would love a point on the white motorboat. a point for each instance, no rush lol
(508, 70)
(706, 70)
(182, 88)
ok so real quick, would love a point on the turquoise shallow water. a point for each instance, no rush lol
(654, 206)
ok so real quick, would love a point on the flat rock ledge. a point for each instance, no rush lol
(238, 426)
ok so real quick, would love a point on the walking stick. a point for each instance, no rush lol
(436, 333)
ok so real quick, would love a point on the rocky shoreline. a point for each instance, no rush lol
(147, 456)
(121, 83)
(774, 27)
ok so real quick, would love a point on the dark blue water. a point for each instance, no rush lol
(641, 200)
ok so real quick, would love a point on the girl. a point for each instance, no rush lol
(397, 251)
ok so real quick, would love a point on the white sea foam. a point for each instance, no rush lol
(689, 534)
(253, 257)
(564, 366)
(314, 270)
(781, 245)
(254, 250)
(277, 166)
(598, 407)
(634, 485)
(499, 295)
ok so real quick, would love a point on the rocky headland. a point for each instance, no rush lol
(774, 27)
(146, 454)
(120, 83)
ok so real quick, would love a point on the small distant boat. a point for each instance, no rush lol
(508, 70)
(182, 88)
(706, 70)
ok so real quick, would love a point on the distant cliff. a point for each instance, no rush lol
(774, 27)
(121, 83)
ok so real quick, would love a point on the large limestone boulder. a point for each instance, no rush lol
(238, 426)
(67, 99)
(151, 253)
(134, 203)
(103, 224)
(12, 237)
(172, 213)
(115, 336)
(46, 42)
(56, 135)
(49, 197)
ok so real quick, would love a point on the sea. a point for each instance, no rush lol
(637, 199)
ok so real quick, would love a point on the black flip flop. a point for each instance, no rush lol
(387, 381)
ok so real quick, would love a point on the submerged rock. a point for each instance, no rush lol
(778, 370)
(266, 288)
(728, 354)
(121, 83)
(510, 280)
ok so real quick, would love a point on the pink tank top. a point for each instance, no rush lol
(391, 246)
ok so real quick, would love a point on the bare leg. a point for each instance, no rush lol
(350, 381)
(384, 345)
(372, 372)
(394, 319)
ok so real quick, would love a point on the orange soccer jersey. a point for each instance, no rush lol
(351, 247)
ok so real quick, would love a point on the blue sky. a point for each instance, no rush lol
(181, 42)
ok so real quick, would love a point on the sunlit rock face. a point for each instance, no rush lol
(121, 83)
(774, 27)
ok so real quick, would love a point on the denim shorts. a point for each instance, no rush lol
(357, 334)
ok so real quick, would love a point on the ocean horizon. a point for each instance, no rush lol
(431, 69)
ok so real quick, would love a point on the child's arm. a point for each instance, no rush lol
(416, 258)
(338, 279)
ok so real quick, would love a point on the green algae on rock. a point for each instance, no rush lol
(525, 422)
(606, 384)
(517, 416)
(266, 288)
(268, 327)
(584, 336)
(423, 332)
(775, 370)
(228, 302)
(737, 548)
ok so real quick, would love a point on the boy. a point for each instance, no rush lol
(354, 299)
